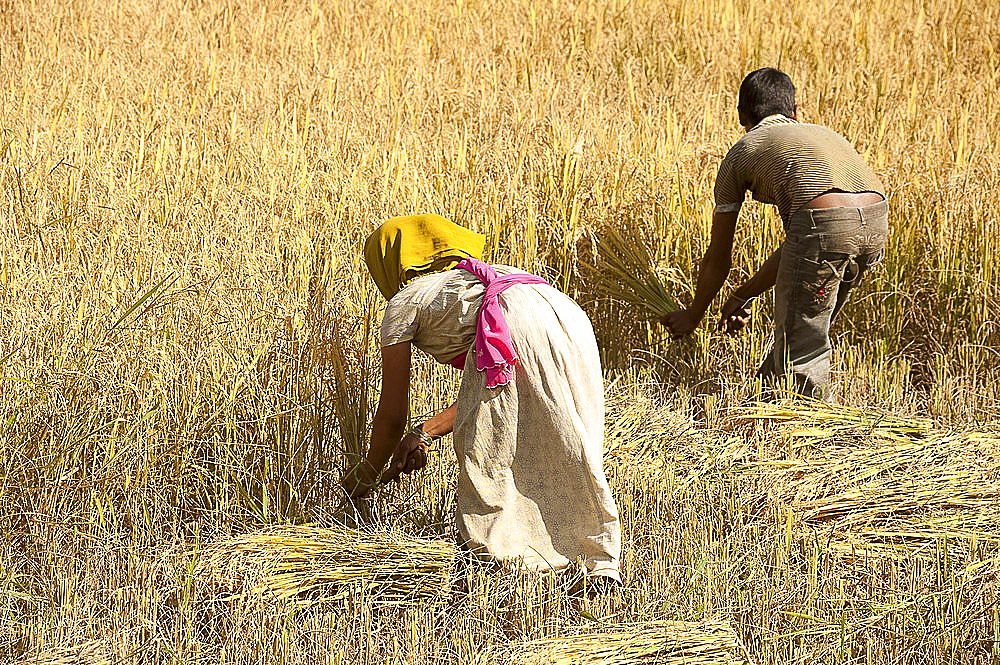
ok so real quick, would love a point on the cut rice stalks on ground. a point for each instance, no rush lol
(660, 642)
(90, 653)
(627, 272)
(807, 420)
(309, 564)
(879, 483)
(984, 575)
(643, 436)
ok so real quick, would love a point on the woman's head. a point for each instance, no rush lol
(404, 248)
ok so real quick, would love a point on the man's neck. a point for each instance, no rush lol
(772, 119)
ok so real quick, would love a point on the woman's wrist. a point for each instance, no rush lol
(425, 437)
(358, 480)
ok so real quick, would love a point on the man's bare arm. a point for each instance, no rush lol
(762, 280)
(735, 312)
(712, 275)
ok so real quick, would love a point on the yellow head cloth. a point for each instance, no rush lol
(406, 247)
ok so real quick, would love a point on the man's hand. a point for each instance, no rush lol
(410, 456)
(680, 323)
(735, 315)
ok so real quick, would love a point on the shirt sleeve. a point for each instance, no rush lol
(730, 189)
(399, 324)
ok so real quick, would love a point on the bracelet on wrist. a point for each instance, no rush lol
(743, 301)
(418, 431)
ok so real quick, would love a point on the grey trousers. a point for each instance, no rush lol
(824, 255)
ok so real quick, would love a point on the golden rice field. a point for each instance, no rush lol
(187, 334)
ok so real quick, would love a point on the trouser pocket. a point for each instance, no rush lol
(821, 279)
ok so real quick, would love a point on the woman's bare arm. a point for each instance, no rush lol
(389, 421)
(440, 423)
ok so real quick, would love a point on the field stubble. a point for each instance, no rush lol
(187, 332)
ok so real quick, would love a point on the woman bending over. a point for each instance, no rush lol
(529, 419)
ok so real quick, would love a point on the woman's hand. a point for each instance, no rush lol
(360, 480)
(410, 455)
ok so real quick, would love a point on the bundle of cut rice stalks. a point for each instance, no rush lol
(807, 419)
(637, 424)
(643, 435)
(660, 642)
(626, 272)
(307, 564)
(878, 483)
(89, 653)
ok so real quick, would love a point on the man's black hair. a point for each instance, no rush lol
(766, 92)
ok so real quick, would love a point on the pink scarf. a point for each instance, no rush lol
(495, 353)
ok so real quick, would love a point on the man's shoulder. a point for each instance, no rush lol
(782, 134)
(804, 130)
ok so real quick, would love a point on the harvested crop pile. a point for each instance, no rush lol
(660, 642)
(309, 564)
(636, 424)
(90, 653)
(651, 440)
(878, 482)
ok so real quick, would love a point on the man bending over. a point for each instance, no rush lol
(835, 216)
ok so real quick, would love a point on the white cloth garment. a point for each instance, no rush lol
(531, 483)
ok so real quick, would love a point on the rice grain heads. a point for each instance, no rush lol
(308, 564)
(660, 642)
(89, 653)
(625, 271)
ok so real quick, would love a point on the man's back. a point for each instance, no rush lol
(788, 163)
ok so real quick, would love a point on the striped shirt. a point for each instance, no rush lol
(788, 163)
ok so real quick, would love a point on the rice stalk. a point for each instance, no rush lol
(984, 574)
(89, 653)
(820, 420)
(353, 369)
(661, 642)
(342, 330)
(877, 482)
(625, 271)
(308, 564)
(652, 441)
